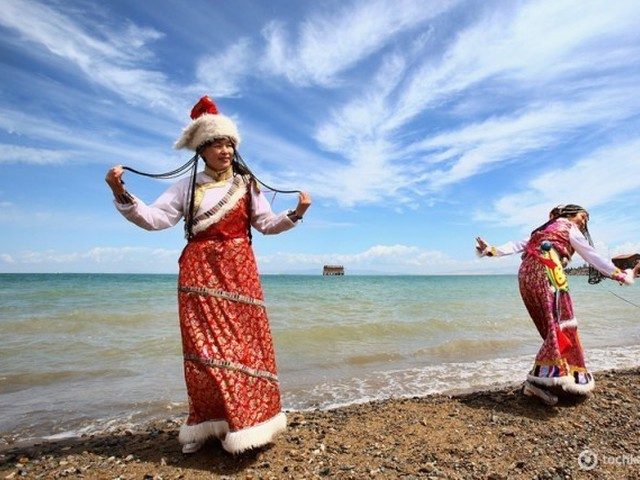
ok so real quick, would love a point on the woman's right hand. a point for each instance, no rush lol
(481, 245)
(114, 179)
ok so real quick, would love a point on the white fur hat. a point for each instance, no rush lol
(207, 124)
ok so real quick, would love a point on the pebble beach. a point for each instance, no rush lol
(494, 434)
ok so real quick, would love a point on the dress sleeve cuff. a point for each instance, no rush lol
(124, 198)
(625, 277)
(487, 252)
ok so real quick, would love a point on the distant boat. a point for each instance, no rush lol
(332, 270)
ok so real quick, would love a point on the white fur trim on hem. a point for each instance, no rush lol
(237, 441)
(202, 431)
(567, 383)
(256, 436)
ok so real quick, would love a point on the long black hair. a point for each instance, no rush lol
(238, 165)
(568, 211)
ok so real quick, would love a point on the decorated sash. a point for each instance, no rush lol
(549, 258)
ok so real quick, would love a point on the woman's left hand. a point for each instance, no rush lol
(304, 202)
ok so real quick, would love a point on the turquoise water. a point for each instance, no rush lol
(80, 351)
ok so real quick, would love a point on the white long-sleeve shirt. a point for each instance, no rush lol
(170, 207)
(579, 243)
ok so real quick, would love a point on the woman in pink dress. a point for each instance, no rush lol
(560, 363)
(229, 360)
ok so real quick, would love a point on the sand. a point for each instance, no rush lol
(494, 435)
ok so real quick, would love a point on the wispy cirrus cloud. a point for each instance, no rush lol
(331, 42)
(34, 156)
(415, 110)
(74, 147)
(568, 80)
(222, 74)
(479, 146)
(499, 49)
(608, 174)
(112, 58)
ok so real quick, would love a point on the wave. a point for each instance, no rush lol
(466, 348)
(366, 359)
(11, 383)
(365, 332)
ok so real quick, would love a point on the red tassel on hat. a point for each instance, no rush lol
(204, 105)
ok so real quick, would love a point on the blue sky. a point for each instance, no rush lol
(414, 125)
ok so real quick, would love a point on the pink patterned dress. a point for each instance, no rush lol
(560, 361)
(544, 289)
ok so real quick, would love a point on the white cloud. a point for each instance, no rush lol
(97, 259)
(391, 259)
(574, 75)
(607, 174)
(35, 156)
(353, 132)
(6, 258)
(527, 48)
(83, 148)
(476, 147)
(111, 58)
(331, 42)
(221, 75)
(625, 249)
(383, 259)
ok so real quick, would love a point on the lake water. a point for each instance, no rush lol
(80, 352)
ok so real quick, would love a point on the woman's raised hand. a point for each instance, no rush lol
(481, 245)
(304, 202)
(114, 179)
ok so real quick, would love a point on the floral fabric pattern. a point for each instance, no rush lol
(229, 359)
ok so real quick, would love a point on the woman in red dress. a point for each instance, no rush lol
(229, 360)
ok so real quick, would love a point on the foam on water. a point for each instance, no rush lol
(433, 379)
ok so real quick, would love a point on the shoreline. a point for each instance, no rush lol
(493, 434)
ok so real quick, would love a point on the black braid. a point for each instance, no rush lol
(188, 221)
(240, 167)
(245, 170)
(167, 175)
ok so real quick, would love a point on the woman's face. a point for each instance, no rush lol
(580, 219)
(218, 154)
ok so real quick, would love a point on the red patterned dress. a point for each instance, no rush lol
(229, 360)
